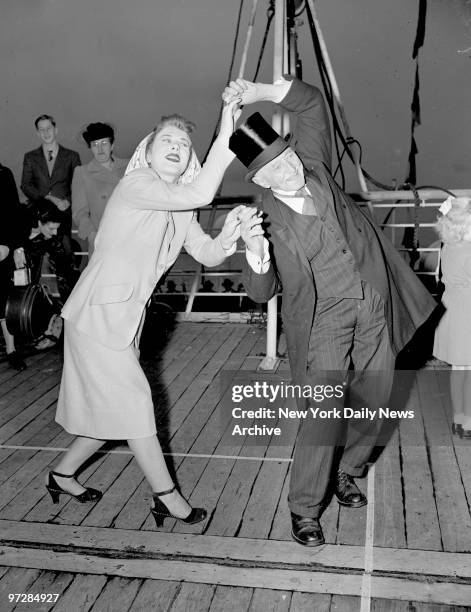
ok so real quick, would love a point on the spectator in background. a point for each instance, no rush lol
(94, 182)
(39, 236)
(47, 173)
(8, 229)
(453, 334)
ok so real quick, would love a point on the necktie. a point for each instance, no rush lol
(50, 156)
(309, 208)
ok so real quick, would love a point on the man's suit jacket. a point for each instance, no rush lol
(408, 303)
(36, 182)
(145, 224)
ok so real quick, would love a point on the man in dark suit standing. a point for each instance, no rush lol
(349, 301)
(48, 172)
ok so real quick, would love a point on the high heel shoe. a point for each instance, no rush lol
(160, 511)
(457, 430)
(55, 490)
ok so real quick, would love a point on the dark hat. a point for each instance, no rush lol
(256, 143)
(97, 131)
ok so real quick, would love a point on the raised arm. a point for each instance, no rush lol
(312, 133)
(143, 188)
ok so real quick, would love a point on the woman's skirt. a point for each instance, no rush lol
(104, 393)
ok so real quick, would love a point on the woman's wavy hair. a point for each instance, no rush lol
(177, 121)
(453, 226)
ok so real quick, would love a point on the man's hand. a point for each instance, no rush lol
(52, 199)
(249, 92)
(63, 204)
(251, 230)
(230, 232)
(4, 250)
(245, 90)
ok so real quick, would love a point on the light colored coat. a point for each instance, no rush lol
(145, 225)
(92, 186)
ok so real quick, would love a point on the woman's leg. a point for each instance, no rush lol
(9, 339)
(149, 456)
(79, 451)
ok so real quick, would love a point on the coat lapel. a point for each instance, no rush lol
(59, 161)
(41, 162)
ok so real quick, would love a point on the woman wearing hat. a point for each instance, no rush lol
(93, 183)
(104, 393)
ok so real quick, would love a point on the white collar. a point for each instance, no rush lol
(290, 199)
(47, 148)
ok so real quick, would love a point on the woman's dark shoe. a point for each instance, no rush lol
(457, 430)
(89, 495)
(160, 511)
(306, 530)
(16, 362)
(347, 492)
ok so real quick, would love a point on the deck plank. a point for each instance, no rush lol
(44, 396)
(47, 582)
(422, 524)
(81, 594)
(117, 595)
(388, 502)
(193, 597)
(266, 600)
(155, 595)
(231, 599)
(310, 602)
(452, 506)
(16, 580)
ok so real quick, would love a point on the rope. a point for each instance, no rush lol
(248, 38)
(270, 15)
(234, 49)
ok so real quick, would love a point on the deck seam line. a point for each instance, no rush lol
(128, 452)
(369, 543)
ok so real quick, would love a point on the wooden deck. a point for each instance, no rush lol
(409, 549)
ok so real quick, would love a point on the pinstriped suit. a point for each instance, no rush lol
(327, 330)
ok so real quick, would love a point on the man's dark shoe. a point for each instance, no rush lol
(306, 530)
(348, 494)
(16, 362)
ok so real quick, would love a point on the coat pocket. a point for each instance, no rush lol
(110, 294)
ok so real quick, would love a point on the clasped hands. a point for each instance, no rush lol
(243, 222)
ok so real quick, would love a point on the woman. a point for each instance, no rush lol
(104, 393)
(93, 183)
(8, 231)
(40, 225)
(453, 334)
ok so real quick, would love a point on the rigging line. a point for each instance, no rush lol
(234, 49)
(270, 15)
(247, 40)
(328, 93)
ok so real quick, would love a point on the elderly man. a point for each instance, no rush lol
(48, 172)
(350, 303)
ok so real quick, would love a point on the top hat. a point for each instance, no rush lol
(256, 143)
